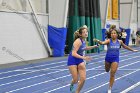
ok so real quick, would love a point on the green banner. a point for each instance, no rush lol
(84, 12)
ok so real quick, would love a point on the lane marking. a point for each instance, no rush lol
(69, 84)
(131, 87)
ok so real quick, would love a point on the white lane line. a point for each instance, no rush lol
(28, 72)
(34, 67)
(115, 80)
(117, 70)
(93, 88)
(35, 76)
(41, 69)
(51, 63)
(48, 74)
(131, 87)
(64, 65)
(86, 69)
(55, 67)
(63, 77)
(95, 76)
(40, 76)
(28, 78)
(41, 82)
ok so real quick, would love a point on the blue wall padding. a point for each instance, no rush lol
(57, 38)
(128, 36)
(103, 34)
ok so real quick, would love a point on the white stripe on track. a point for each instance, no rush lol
(115, 80)
(68, 69)
(95, 87)
(62, 77)
(39, 76)
(48, 74)
(43, 82)
(55, 67)
(49, 64)
(90, 69)
(131, 87)
(34, 67)
(95, 76)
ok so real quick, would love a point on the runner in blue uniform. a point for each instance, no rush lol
(112, 55)
(76, 59)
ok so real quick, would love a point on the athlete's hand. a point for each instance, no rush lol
(95, 40)
(96, 46)
(87, 58)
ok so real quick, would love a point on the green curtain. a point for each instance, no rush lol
(84, 12)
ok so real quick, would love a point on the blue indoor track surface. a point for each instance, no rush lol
(54, 76)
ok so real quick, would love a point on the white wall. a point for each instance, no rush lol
(103, 7)
(58, 12)
(19, 38)
(114, 22)
(139, 14)
(125, 13)
(133, 19)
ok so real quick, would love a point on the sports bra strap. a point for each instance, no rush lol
(81, 40)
